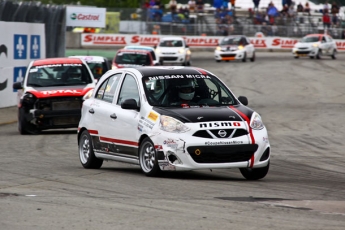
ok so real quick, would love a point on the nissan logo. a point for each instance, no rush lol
(222, 133)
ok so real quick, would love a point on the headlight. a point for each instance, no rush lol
(88, 95)
(256, 122)
(181, 51)
(170, 124)
(218, 48)
(316, 45)
(188, 52)
(158, 51)
(240, 47)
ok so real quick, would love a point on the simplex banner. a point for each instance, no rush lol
(85, 16)
(19, 44)
(193, 41)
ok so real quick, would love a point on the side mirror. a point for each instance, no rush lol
(243, 100)
(155, 46)
(130, 104)
(17, 85)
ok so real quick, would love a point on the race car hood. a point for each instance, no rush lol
(127, 66)
(205, 114)
(59, 91)
(228, 48)
(305, 44)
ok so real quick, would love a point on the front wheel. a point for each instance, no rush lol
(22, 123)
(333, 54)
(318, 54)
(252, 59)
(255, 173)
(244, 59)
(148, 158)
(86, 154)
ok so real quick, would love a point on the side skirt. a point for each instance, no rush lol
(117, 158)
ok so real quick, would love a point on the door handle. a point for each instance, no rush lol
(91, 111)
(113, 116)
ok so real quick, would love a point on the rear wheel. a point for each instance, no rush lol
(148, 158)
(86, 154)
(255, 173)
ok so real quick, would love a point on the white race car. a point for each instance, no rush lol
(173, 50)
(171, 119)
(148, 48)
(315, 46)
(236, 47)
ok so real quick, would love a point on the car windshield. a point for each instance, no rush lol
(132, 59)
(176, 90)
(98, 68)
(310, 39)
(58, 75)
(171, 43)
(230, 41)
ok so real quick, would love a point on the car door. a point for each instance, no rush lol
(324, 45)
(249, 47)
(123, 128)
(102, 109)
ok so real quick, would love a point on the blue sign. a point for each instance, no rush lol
(20, 46)
(35, 47)
(18, 75)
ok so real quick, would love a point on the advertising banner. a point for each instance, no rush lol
(85, 16)
(21, 43)
(192, 41)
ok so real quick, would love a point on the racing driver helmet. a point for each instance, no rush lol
(187, 89)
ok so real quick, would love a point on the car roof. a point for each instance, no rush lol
(89, 58)
(317, 35)
(164, 71)
(52, 61)
(139, 47)
(133, 51)
(171, 38)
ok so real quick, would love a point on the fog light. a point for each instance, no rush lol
(173, 159)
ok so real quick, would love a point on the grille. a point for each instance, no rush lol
(215, 132)
(60, 103)
(169, 53)
(221, 154)
(170, 58)
(303, 52)
(228, 55)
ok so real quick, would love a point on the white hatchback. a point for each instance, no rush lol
(315, 46)
(171, 119)
(173, 50)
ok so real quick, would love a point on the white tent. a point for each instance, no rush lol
(246, 4)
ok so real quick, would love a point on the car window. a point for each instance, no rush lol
(129, 90)
(310, 39)
(98, 68)
(133, 58)
(205, 91)
(171, 43)
(107, 90)
(58, 75)
(231, 41)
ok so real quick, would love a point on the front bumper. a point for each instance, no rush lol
(229, 55)
(182, 152)
(312, 52)
(174, 58)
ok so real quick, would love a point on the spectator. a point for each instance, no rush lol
(173, 8)
(146, 4)
(152, 3)
(300, 7)
(326, 19)
(291, 12)
(200, 6)
(334, 8)
(325, 7)
(307, 8)
(217, 3)
(272, 11)
(233, 2)
(256, 4)
(285, 10)
(225, 4)
(192, 6)
(335, 20)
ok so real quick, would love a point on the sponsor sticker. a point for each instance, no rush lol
(224, 143)
(153, 116)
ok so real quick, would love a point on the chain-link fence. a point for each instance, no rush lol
(53, 16)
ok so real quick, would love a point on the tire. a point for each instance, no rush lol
(318, 54)
(333, 54)
(189, 63)
(217, 60)
(296, 57)
(22, 123)
(252, 59)
(244, 59)
(148, 158)
(255, 173)
(86, 154)
(311, 57)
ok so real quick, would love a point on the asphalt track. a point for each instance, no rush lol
(302, 102)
